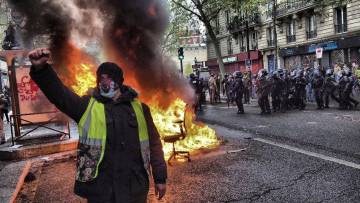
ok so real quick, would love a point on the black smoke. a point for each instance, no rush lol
(131, 37)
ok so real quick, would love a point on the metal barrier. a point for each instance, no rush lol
(15, 123)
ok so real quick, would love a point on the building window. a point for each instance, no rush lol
(229, 45)
(340, 19)
(291, 32)
(269, 10)
(217, 25)
(227, 16)
(311, 27)
(242, 43)
(254, 40)
(270, 37)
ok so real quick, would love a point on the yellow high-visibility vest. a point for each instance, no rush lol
(92, 139)
(357, 72)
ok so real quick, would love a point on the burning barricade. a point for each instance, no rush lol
(198, 135)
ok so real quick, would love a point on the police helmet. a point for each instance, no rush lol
(275, 74)
(329, 72)
(263, 73)
(347, 72)
(299, 73)
(238, 74)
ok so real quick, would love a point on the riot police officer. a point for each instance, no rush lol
(263, 91)
(330, 87)
(238, 91)
(276, 90)
(342, 83)
(226, 83)
(197, 86)
(300, 90)
(284, 76)
(348, 90)
(317, 84)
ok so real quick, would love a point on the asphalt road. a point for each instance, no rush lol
(279, 158)
(331, 130)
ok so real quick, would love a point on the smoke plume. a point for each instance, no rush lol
(128, 31)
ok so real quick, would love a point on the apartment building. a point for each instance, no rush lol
(301, 27)
(238, 42)
(304, 26)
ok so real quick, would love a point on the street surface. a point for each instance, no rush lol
(299, 156)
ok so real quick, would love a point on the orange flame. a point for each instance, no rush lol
(84, 79)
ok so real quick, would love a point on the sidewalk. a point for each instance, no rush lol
(9, 173)
(36, 144)
(39, 142)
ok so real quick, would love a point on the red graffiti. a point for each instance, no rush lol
(27, 89)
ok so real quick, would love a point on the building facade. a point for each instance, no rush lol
(333, 28)
(238, 42)
(301, 27)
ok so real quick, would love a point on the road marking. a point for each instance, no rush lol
(225, 107)
(313, 154)
(312, 123)
(262, 126)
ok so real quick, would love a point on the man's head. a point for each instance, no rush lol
(109, 78)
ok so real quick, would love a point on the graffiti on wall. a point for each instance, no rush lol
(31, 99)
(27, 89)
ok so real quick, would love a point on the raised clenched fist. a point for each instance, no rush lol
(39, 57)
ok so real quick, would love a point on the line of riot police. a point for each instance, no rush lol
(287, 89)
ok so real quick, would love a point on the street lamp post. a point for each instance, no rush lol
(181, 57)
(196, 67)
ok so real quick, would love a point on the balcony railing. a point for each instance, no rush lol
(311, 34)
(290, 38)
(340, 28)
(271, 43)
(239, 23)
(289, 7)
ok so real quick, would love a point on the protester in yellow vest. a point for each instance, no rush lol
(119, 145)
(357, 73)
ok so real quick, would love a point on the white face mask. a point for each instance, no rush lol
(108, 91)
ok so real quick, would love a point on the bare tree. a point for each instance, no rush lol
(177, 24)
(206, 11)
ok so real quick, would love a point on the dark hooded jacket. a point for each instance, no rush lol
(122, 165)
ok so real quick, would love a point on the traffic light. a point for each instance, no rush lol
(181, 53)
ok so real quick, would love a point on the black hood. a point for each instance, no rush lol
(112, 70)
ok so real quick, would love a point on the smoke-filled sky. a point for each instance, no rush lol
(128, 31)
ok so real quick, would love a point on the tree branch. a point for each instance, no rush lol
(185, 8)
(215, 14)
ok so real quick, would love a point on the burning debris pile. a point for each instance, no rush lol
(128, 33)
